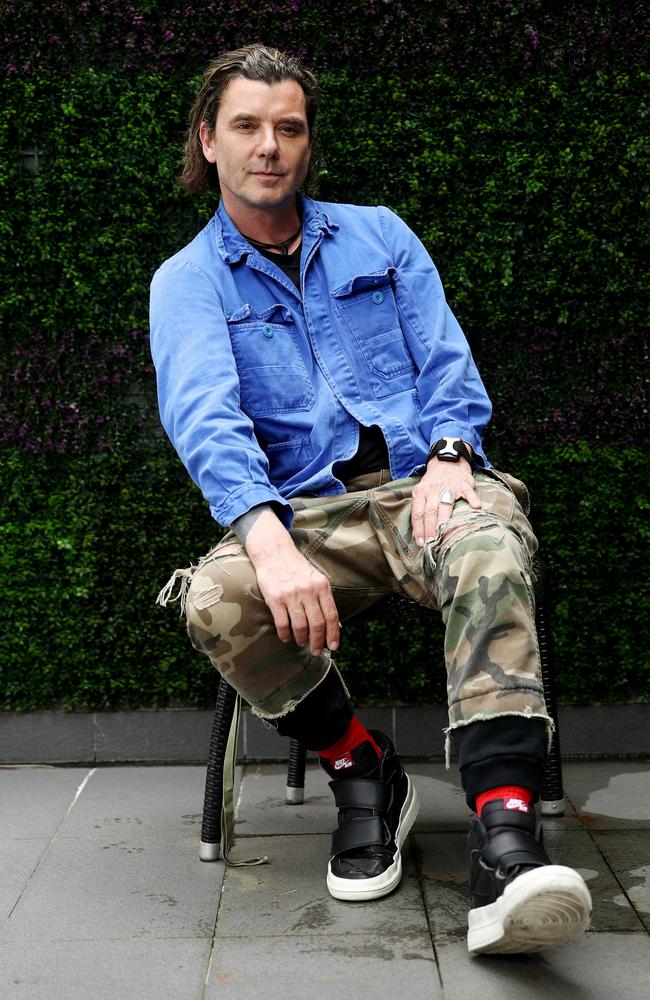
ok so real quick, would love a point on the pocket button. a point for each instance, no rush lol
(378, 297)
(267, 330)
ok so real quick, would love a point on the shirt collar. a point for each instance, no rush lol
(232, 246)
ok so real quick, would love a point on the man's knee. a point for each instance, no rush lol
(217, 599)
(485, 545)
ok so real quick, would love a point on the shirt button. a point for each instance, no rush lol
(377, 297)
(267, 330)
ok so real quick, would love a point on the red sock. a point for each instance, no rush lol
(354, 735)
(514, 797)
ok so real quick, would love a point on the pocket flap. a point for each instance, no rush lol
(360, 282)
(277, 313)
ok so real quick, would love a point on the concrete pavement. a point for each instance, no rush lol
(102, 894)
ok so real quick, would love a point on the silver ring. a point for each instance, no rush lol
(447, 496)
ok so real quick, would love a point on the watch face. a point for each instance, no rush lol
(450, 450)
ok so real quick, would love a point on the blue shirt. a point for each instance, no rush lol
(262, 390)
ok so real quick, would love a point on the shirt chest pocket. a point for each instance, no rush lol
(272, 374)
(367, 305)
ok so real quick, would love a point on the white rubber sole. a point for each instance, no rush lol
(539, 909)
(352, 889)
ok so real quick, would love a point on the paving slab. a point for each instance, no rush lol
(610, 794)
(120, 884)
(611, 910)
(34, 800)
(289, 896)
(148, 800)
(325, 967)
(442, 799)
(138, 969)
(262, 809)
(442, 859)
(132, 835)
(628, 854)
(594, 967)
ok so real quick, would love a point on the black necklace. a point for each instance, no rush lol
(282, 247)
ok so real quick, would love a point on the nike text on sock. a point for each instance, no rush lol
(514, 797)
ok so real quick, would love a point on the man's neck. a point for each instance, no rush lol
(265, 225)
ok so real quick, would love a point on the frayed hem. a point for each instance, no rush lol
(485, 717)
(269, 717)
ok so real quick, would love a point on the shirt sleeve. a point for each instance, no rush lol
(198, 395)
(451, 396)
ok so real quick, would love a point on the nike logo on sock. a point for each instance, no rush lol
(517, 804)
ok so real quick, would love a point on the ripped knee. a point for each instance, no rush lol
(203, 592)
(220, 574)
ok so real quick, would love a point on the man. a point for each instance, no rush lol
(323, 397)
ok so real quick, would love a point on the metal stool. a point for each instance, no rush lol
(392, 606)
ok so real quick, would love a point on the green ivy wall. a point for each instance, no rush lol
(511, 136)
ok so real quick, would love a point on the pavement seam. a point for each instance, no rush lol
(222, 886)
(589, 833)
(42, 857)
(213, 942)
(417, 856)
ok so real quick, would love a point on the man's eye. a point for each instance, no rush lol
(244, 126)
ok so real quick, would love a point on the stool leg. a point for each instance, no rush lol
(552, 792)
(209, 848)
(296, 773)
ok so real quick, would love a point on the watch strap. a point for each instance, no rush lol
(450, 450)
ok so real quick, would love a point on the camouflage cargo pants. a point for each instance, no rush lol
(476, 571)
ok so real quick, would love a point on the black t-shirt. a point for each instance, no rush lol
(372, 453)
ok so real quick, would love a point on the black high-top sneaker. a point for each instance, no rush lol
(521, 902)
(377, 806)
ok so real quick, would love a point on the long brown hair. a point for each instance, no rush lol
(253, 62)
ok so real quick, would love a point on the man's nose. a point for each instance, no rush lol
(267, 145)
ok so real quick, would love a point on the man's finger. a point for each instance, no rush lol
(300, 626)
(417, 522)
(431, 517)
(282, 623)
(472, 498)
(314, 625)
(332, 623)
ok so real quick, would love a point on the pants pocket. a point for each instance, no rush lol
(516, 486)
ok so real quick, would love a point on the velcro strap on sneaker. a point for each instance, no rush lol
(514, 848)
(362, 831)
(510, 819)
(360, 793)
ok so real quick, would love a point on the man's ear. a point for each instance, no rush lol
(207, 142)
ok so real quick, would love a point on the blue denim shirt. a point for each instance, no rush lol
(262, 390)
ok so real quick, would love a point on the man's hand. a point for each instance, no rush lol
(428, 510)
(299, 597)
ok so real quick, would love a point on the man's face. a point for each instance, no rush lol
(260, 143)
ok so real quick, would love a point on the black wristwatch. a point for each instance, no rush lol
(450, 450)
